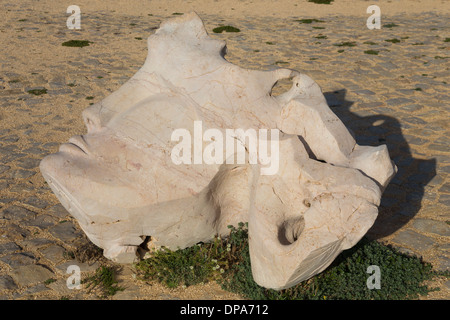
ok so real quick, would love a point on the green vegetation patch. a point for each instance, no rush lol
(374, 52)
(37, 92)
(104, 279)
(390, 25)
(308, 21)
(394, 40)
(447, 40)
(76, 43)
(346, 44)
(370, 43)
(200, 263)
(227, 261)
(226, 29)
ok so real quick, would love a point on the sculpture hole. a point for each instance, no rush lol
(281, 86)
(290, 230)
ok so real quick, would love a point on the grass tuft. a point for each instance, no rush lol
(76, 43)
(37, 92)
(374, 52)
(104, 278)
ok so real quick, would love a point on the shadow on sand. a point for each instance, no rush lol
(402, 198)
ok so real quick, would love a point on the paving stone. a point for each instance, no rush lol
(14, 232)
(4, 168)
(54, 253)
(35, 244)
(65, 231)
(42, 221)
(58, 211)
(28, 163)
(444, 199)
(17, 213)
(398, 101)
(40, 287)
(8, 247)
(31, 274)
(20, 174)
(15, 260)
(4, 184)
(443, 263)
(414, 240)
(7, 283)
(432, 226)
(36, 202)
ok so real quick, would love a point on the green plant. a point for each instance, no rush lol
(177, 14)
(321, 37)
(37, 92)
(308, 21)
(394, 40)
(370, 43)
(374, 52)
(402, 276)
(76, 43)
(447, 40)
(226, 29)
(200, 263)
(104, 277)
(48, 281)
(390, 25)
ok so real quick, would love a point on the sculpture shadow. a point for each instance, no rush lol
(402, 198)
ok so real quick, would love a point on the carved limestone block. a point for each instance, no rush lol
(193, 143)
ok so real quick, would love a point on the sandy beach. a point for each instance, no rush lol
(390, 86)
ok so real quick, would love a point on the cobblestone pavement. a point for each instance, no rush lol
(388, 86)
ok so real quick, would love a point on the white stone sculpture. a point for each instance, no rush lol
(132, 176)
